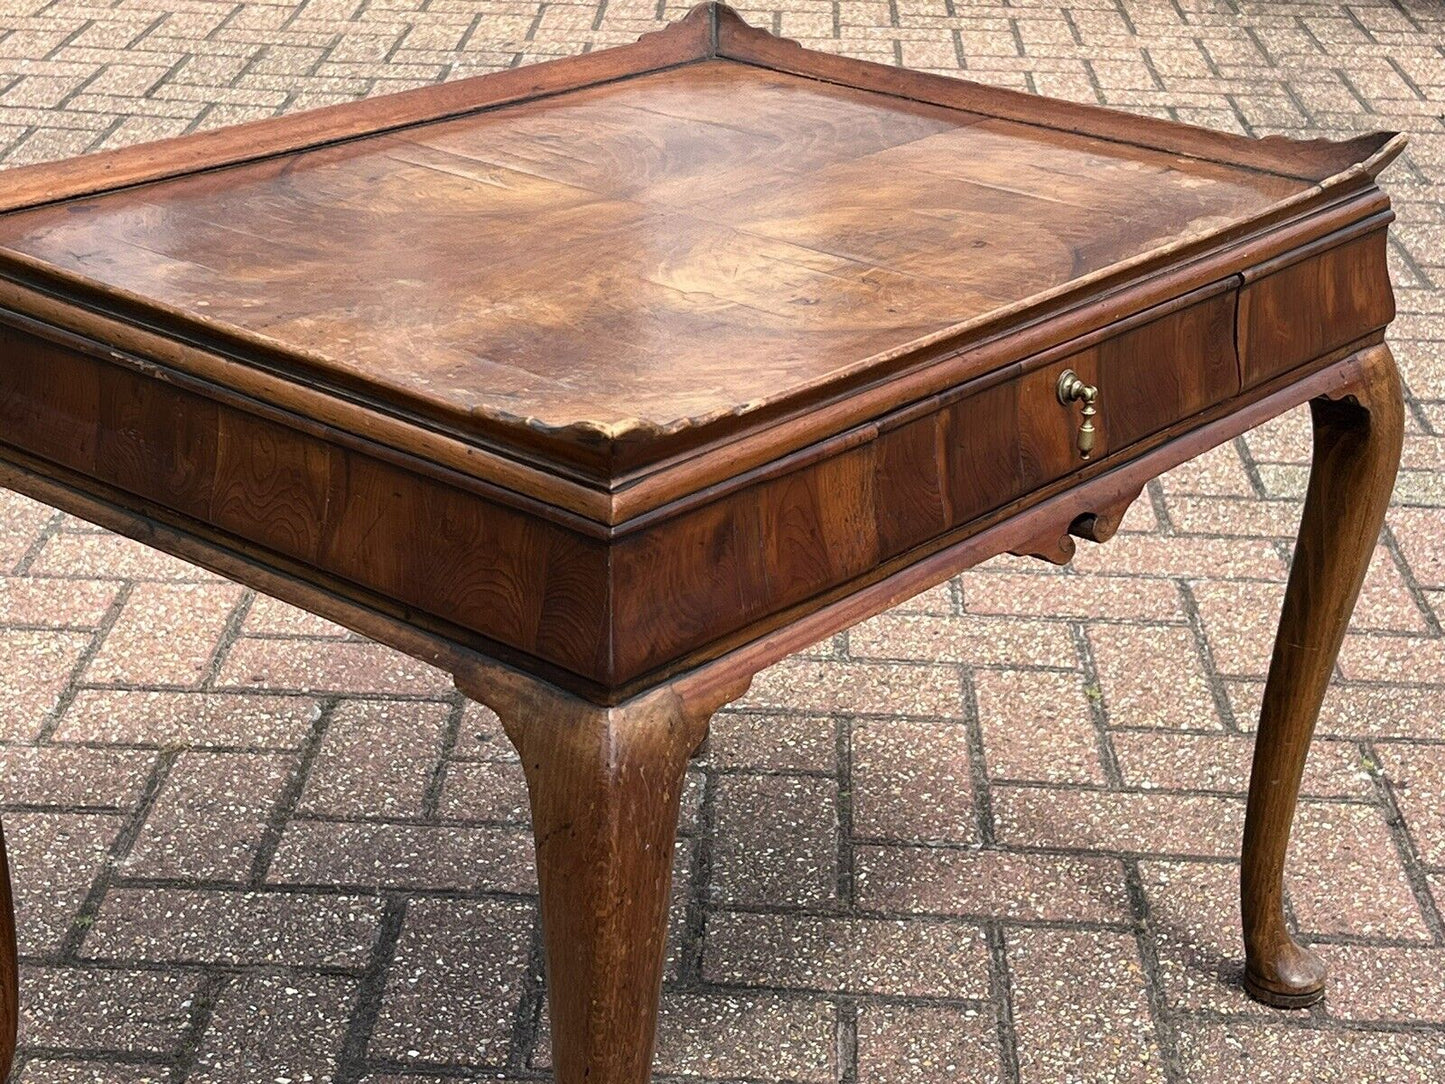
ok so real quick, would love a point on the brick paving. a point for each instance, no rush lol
(988, 836)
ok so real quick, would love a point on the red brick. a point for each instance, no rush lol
(1237, 1050)
(268, 616)
(978, 641)
(1386, 984)
(1222, 762)
(188, 719)
(21, 521)
(912, 782)
(103, 1070)
(166, 634)
(38, 665)
(984, 883)
(1385, 601)
(1135, 665)
(1194, 913)
(880, 688)
(1079, 597)
(1182, 557)
(1037, 726)
(480, 736)
(55, 604)
(1405, 659)
(376, 759)
(1420, 534)
(751, 1037)
(1240, 620)
(1286, 439)
(1346, 877)
(54, 860)
(488, 790)
(1382, 711)
(920, 958)
(210, 816)
(1417, 774)
(1114, 821)
(1217, 473)
(104, 555)
(59, 775)
(140, 1012)
(455, 981)
(187, 926)
(329, 666)
(272, 1027)
(404, 856)
(776, 840)
(1079, 999)
(1232, 516)
(787, 743)
(903, 1045)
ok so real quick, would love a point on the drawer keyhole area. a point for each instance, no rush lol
(1073, 390)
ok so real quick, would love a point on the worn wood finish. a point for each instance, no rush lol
(1358, 434)
(605, 384)
(605, 786)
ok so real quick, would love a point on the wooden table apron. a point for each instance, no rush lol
(607, 583)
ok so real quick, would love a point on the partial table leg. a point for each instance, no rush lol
(1357, 450)
(606, 785)
(9, 974)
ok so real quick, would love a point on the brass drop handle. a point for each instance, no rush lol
(1072, 390)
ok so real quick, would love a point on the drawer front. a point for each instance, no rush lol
(1306, 309)
(1148, 377)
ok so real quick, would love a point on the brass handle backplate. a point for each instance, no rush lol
(1073, 390)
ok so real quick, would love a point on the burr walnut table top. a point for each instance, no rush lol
(652, 252)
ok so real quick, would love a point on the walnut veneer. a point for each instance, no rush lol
(607, 382)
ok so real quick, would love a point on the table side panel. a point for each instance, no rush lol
(662, 590)
(1311, 306)
(687, 580)
(514, 578)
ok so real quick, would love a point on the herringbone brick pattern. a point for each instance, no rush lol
(989, 836)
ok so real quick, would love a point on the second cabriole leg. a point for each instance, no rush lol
(9, 974)
(1357, 441)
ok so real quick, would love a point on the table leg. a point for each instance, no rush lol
(9, 974)
(1357, 442)
(605, 785)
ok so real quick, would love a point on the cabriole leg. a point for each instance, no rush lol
(1357, 442)
(605, 786)
(9, 973)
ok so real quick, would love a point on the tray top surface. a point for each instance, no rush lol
(646, 254)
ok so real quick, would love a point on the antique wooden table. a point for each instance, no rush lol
(605, 383)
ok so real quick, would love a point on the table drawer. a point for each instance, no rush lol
(988, 446)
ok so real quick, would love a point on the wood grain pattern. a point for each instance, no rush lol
(1357, 440)
(1313, 305)
(602, 610)
(519, 580)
